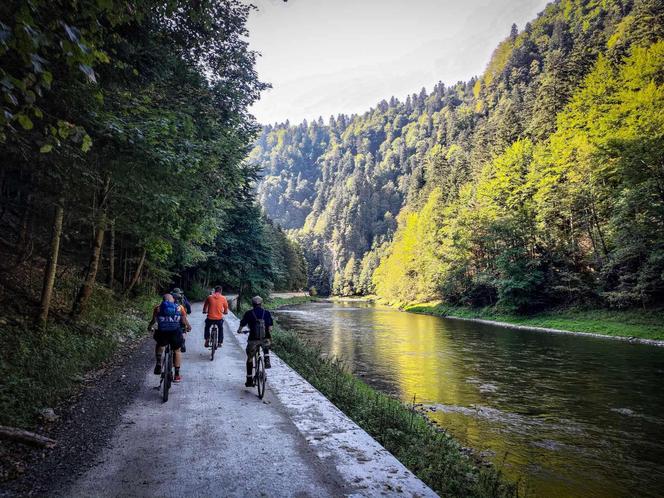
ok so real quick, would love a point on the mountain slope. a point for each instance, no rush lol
(470, 193)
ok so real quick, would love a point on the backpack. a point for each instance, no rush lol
(169, 317)
(260, 325)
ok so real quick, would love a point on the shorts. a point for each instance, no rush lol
(252, 346)
(175, 338)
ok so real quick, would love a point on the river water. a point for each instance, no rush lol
(570, 416)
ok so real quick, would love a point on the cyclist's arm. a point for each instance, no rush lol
(225, 308)
(243, 322)
(185, 320)
(154, 318)
(205, 306)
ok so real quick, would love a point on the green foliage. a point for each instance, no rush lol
(536, 185)
(630, 323)
(39, 370)
(433, 455)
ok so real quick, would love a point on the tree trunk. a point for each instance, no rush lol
(25, 437)
(111, 256)
(85, 291)
(137, 273)
(52, 265)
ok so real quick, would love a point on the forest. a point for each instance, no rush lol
(538, 184)
(123, 130)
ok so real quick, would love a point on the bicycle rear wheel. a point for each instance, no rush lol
(168, 378)
(261, 378)
(214, 335)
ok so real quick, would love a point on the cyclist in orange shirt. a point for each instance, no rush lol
(215, 306)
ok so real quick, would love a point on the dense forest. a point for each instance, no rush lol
(123, 130)
(538, 184)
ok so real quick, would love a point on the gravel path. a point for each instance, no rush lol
(214, 437)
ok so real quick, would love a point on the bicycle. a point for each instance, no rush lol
(166, 373)
(260, 375)
(214, 337)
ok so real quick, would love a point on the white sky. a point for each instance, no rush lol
(327, 57)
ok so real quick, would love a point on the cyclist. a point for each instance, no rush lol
(169, 316)
(250, 318)
(182, 300)
(215, 306)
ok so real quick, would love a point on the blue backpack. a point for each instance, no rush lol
(169, 317)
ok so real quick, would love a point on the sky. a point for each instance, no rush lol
(326, 57)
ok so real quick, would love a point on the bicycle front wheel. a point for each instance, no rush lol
(168, 378)
(261, 378)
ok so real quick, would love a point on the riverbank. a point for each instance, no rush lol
(429, 452)
(640, 326)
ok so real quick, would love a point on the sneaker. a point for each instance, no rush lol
(267, 362)
(177, 378)
(249, 382)
(207, 343)
(157, 369)
(219, 344)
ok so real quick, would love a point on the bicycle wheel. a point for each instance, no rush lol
(169, 374)
(260, 376)
(214, 335)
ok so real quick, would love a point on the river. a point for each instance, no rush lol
(570, 416)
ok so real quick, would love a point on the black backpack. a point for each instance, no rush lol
(260, 325)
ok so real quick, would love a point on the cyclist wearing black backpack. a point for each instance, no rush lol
(259, 321)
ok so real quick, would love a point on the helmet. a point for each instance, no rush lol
(256, 300)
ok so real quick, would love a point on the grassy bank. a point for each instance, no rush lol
(278, 302)
(632, 323)
(434, 456)
(39, 369)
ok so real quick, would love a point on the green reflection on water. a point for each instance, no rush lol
(569, 416)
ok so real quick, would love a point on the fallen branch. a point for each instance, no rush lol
(26, 437)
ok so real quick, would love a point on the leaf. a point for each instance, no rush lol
(25, 121)
(47, 78)
(46, 148)
(9, 97)
(37, 112)
(72, 32)
(87, 143)
(89, 72)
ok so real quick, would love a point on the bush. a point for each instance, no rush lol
(39, 368)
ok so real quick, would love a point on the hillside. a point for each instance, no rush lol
(536, 184)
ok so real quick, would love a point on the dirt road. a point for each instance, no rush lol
(214, 437)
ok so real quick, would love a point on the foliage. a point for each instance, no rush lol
(535, 185)
(623, 323)
(433, 455)
(38, 370)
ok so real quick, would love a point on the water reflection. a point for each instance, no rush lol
(571, 416)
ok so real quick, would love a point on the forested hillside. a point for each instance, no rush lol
(539, 183)
(122, 134)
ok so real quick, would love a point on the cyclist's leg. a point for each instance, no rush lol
(251, 349)
(176, 344)
(267, 343)
(220, 338)
(160, 343)
(208, 324)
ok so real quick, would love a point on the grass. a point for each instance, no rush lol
(629, 323)
(278, 302)
(433, 455)
(40, 368)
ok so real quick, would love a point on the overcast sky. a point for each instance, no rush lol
(326, 57)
